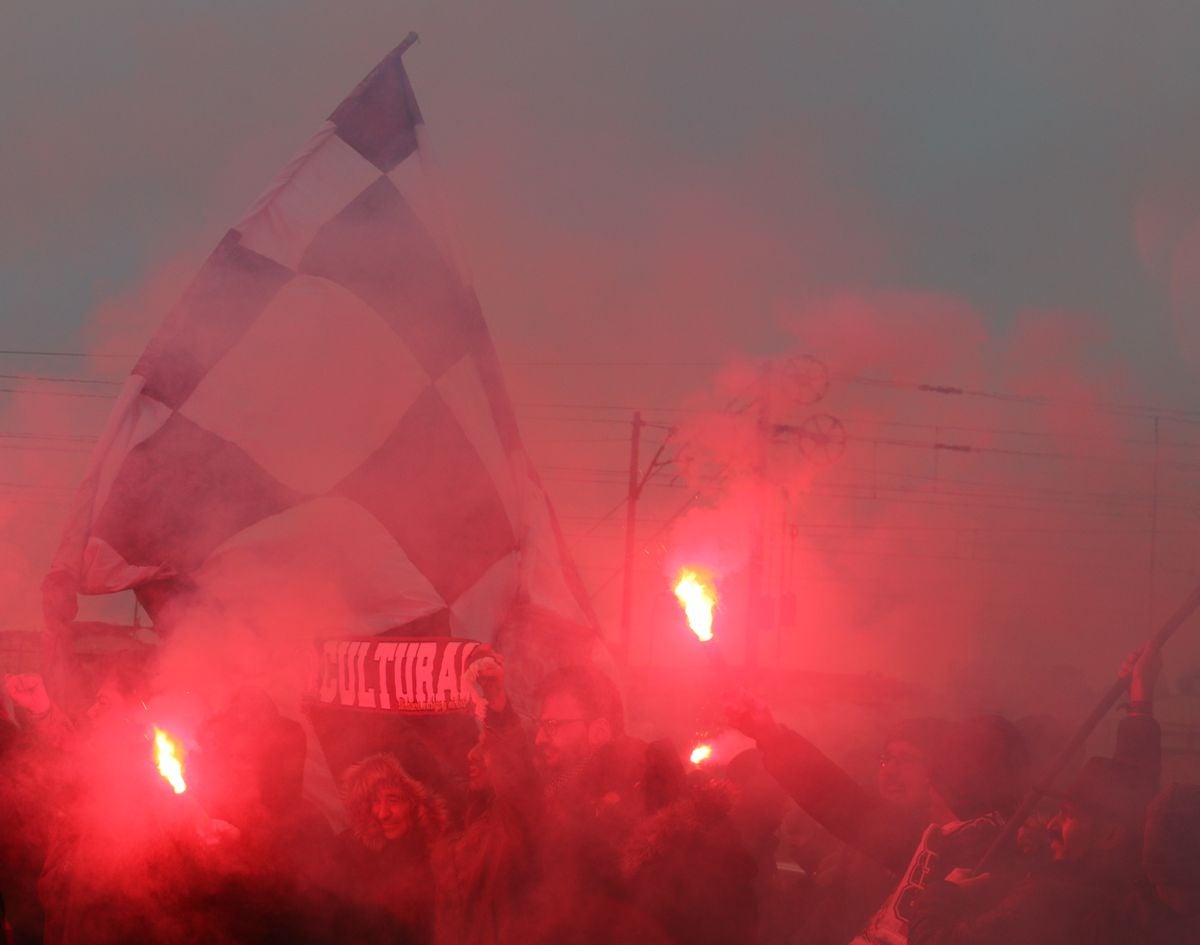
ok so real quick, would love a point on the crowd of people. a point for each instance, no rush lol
(569, 829)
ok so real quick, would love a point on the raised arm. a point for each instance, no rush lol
(853, 814)
(1139, 738)
(44, 720)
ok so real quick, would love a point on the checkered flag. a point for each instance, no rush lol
(326, 394)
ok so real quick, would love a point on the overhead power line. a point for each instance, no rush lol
(614, 364)
(57, 393)
(65, 354)
(38, 448)
(941, 446)
(72, 437)
(58, 379)
(1039, 400)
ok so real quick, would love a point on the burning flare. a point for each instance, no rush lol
(167, 757)
(701, 753)
(698, 599)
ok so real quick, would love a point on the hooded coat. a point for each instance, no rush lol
(391, 884)
(686, 869)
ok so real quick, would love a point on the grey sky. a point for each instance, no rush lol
(996, 150)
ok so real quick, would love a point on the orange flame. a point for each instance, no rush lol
(698, 600)
(167, 757)
(701, 753)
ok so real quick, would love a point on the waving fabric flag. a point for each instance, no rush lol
(326, 395)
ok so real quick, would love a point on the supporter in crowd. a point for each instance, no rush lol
(1083, 895)
(639, 852)
(905, 773)
(573, 831)
(686, 871)
(40, 782)
(579, 713)
(118, 704)
(590, 772)
(846, 884)
(114, 872)
(9, 733)
(488, 869)
(386, 861)
(1170, 906)
(758, 811)
(249, 772)
(980, 774)
(22, 833)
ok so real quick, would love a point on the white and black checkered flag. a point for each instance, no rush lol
(326, 392)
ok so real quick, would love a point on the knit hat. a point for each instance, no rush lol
(1108, 789)
(983, 766)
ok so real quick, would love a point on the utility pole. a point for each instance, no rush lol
(1151, 578)
(757, 603)
(635, 488)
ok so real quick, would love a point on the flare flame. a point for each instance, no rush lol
(167, 758)
(698, 599)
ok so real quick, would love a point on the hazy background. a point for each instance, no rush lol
(651, 196)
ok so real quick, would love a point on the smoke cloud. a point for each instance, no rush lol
(652, 205)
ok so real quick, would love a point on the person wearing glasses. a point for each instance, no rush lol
(579, 712)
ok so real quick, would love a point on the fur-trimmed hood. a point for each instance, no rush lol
(361, 781)
(686, 868)
(701, 808)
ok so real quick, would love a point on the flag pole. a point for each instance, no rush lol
(410, 40)
(1115, 691)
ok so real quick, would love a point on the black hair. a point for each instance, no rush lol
(597, 694)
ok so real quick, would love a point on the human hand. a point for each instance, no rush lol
(485, 670)
(28, 690)
(60, 605)
(1142, 668)
(214, 833)
(964, 878)
(749, 715)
